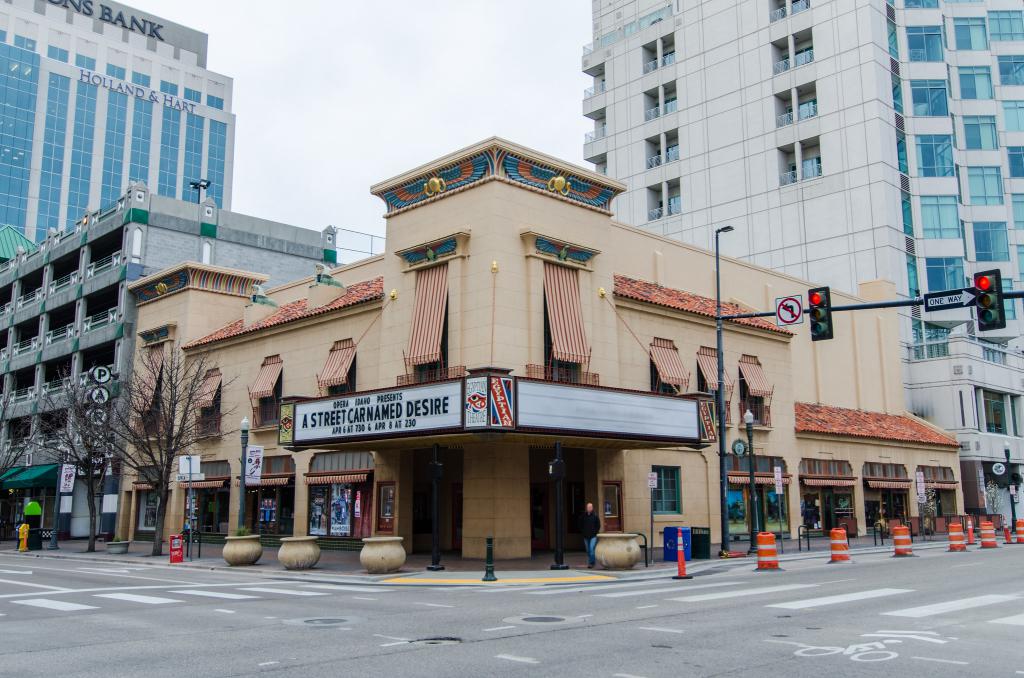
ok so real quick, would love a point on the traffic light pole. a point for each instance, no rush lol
(895, 303)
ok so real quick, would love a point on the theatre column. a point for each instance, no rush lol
(496, 500)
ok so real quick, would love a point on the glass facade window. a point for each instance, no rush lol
(897, 93)
(215, 102)
(194, 128)
(920, 4)
(25, 43)
(980, 132)
(193, 95)
(970, 33)
(1009, 305)
(57, 54)
(1013, 115)
(140, 79)
(1006, 25)
(990, 241)
(1020, 261)
(112, 179)
(665, 497)
(216, 157)
(1018, 212)
(54, 138)
(924, 43)
(913, 284)
(939, 216)
(1015, 154)
(811, 168)
(116, 72)
(19, 80)
(894, 40)
(907, 207)
(901, 152)
(935, 155)
(170, 142)
(986, 185)
(83, 132)
(929, 97)
(975, 82)
(995, 411)
(168, 88)
(944, 273)
(83, 61)
(1011, 70)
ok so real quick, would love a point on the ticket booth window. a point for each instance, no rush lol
(611, 506)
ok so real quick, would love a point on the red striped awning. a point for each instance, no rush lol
(266, 380)
(565, 315)
(139, 485)
(666, 359)
(208, 391)
(202, 484)
(941, 484)
(339, 360)
(828, 482)
(757, 384)
(744, 479)
(889, 484)
(707, 361)
(153, 365)
(428, 315)
(347, 478)
(266, 482)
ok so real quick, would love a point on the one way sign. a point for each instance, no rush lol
(941, 301)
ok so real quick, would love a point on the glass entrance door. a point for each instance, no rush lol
(539, 517)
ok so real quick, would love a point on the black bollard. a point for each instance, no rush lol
(489, 563)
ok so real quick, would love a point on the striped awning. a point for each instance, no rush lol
(757, 383)
(339, 360)
(744, 479)
(828, 482)
(266, 380)
(266, 482)
(202, 484)
(889, 484)
(348, 478)
(565, 315)
(707, 361)
(138, 485)
(428, 315)
(149, 373)
(941, 484)
(208, 391)
(666, 359)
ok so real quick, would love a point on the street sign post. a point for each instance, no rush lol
(789, 311)
(780, 494)
(652, 485)
(947, 299)
(184, 477)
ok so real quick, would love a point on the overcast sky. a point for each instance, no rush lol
(332, 96)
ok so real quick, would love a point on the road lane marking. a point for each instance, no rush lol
(216, 594)
(345, 587)
(625, 675)
(645, 607)
(556, 590)
(15, 571)
(283, 592)
(499, 628)
(267, 663)
(35, 586)
(433, 604)
(224, 611)
(59, 605)
(950, 606)
(380, 635)
(699, 598)
(843, 598)
(362, 598)
(1016, 620)
(515, 658)
(943, 661)
(97, 589)
(134, 598)
(662, 629)
(667, 589)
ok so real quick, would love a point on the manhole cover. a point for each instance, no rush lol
(436, 641)
(543, 620)
(322, 622)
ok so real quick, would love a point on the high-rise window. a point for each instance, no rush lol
(1006, 25)
(939, 216)
(1009, 305)
(1011, 70)
(944, 273)
(929, 97)
(920, 4)
(975, 82)
(994, 405)
(116, 71)
(19, 78)
(57, 54)
(215, 160)
(970, 33)
(194, 125)
(170, 142)
(901, 152)
(1013, 114)
(1016, 157)
(897, 93)
(990, 241)
(54, 138)
(112, 180)
(907, 208)
(913, 284)
(980, 132)
(215, 102)
(1018, 213)
(924, 43)
(85, 62)
(986, 185)
(935, 155)
(25, 43)
(83, 131)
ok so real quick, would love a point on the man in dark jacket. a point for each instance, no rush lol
(590, 525)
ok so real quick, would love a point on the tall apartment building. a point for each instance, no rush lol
(97, 95)
(845, 142)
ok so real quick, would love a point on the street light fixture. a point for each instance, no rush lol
(244, 428)
(755, 515)
(720, 400)
(200, 185)
(1009, 488)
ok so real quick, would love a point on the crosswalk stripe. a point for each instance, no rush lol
(347, 587)
(283, 592)
(555, 590)
(667, 589)
(843, 598)
(59, 605)
(135, 598)
(1016, 620)
(742, 593)
(215, 594)
(950, 606)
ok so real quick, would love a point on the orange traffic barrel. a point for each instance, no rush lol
(1006, 534)
(956, 537)
(1020, 530)
(767, 556)
(901, 541)
(988, 535)
(840, 547)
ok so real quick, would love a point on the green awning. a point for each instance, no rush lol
(44, 475)
(10, 473)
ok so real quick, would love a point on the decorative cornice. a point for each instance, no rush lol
(191, 275)
(562, 251)
(438, 249)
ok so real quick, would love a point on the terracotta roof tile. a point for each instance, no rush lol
(357, 293)
(843, 421)
(641, 290)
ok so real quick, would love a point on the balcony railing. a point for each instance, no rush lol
(7, 265)
(761, 410)
(918, 55)
(671, 106)
(55, 386)
(104, 264)
(802, 58)
(675, 205)
(653, 161)
(652, 113)
(25, 346)
(808, 109)
(801, 5)
(6, 308)
(596, 89)
(208, 424)
(63, 282)
(965, 347)
(787, 178)
(668, 58)
(266, 412)
(780, 66)
(784, 120)
(598, 133)
(22, 395)
(95, 322)
(655, 213)
(651, 66)
(672, 154)
(563, 375)
(4, 354)
(425, 376)
(777, 15)
(812, 170)
(60, 334)
(32, 296)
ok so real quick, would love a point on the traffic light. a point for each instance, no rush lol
(991, 313)
(819, 308)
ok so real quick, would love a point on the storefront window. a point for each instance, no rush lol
(665, 497)
(995, 411)
(386, 507)
(148, 502)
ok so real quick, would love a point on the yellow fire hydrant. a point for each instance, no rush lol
(23, 537)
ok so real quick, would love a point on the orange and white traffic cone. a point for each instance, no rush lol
(956, 537)
(903, 547)
(1006, 535)
(970, 532)
(988, 535)
(840, 547)
(767, 556)
(681, 557)
(1020, 530)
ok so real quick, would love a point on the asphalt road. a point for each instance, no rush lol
(938, 614)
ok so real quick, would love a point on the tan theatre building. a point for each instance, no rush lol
(510, 313)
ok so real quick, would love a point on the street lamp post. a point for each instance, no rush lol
(241, 475)
(755, 517)
(435, 524)
(1009, 488)
(720, 400)
(200, 185)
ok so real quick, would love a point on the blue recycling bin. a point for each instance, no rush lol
(670, 536)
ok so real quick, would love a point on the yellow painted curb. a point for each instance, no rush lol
(530, 580)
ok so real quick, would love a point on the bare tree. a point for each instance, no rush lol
(157, 418)
(10, 451)
(75, 430)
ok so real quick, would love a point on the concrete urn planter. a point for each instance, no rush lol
(381, 555)
(617, 551)
(118, 547)
(242, 550)
(298, 553)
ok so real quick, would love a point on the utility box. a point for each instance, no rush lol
(176, 544)
(671, 537)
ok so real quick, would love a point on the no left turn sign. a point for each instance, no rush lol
(789, 311)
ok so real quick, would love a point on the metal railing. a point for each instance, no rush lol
(25, 346)
(63, 282)
(672, 154)
(4, 354)
(777, 15)
(104, 264)
(761, 410)
(208, 424)
(651, 66)
(55, 385)
(802, 58)
(60, 334)
(266, 412)
(596, 89)
(426, 376)
(653, 161)
(655, 213)
(780, 66)
(563, 375)
(787, 178)
(588, 49)
(10, 263)
(919, 55)
(784, 120)
(652, 113)
(808, 109)
(671, 106)
(95, 322)
(598, 133)
(6, 308)
(675, 205)
(23, 394)
(32, 296)
(801, 5)
(965, 347)
(668, 58)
